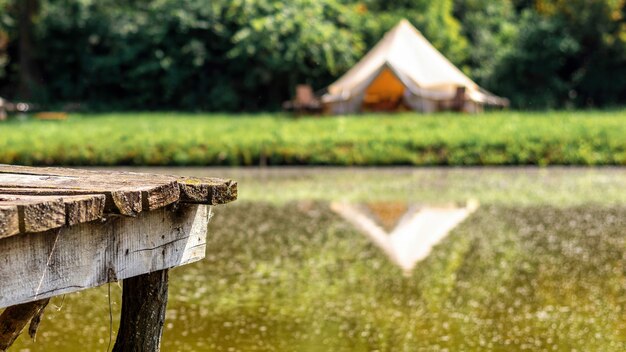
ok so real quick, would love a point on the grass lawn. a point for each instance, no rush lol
(499, 138)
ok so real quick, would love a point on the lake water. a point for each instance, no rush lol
(539, 267)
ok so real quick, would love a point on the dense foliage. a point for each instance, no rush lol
(567, 53)
(249, 54)
(591, 138)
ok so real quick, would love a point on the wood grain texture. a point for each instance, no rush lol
(123, 198)
(38, 215)
(78, 209)
(125, 202)
(69, 259)
(9, 221)
(144, 301)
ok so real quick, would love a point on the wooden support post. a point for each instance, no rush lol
(14, 319)
(144, 300)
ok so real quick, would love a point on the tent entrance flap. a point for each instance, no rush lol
(384, 93)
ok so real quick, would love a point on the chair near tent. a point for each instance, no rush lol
(3, 109)
(404, 71)
(305, 101)
(7, 106)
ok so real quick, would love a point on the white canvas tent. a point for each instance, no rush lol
(404, 69)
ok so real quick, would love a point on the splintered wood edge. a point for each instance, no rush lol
(159, 196)
(212, 191)
(157, 191)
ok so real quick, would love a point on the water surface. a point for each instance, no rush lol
(539, 267)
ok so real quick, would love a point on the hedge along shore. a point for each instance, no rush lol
(176, 139)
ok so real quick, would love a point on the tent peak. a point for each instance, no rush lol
(404, 22)
(406, 25)
(405, 29)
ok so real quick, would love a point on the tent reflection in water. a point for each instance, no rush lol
(405, 72)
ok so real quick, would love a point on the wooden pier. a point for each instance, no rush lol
(65, 230)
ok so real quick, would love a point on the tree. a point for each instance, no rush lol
(27, 9)
(285, 43)
(567, 54)
(248, 54)
(5, 23)
(490, 27)
(599, 29)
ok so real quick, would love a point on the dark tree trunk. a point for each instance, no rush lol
(144, 300)
(14, 319)
(28, 71)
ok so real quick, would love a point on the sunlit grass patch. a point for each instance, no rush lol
(175, 139)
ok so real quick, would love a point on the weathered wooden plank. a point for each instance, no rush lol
(86, 255)
(38, 215)
(144, 300)
(78, 209)
(9, 221)
(159, 190)
(199, 190)
(124, 202)
(14, 319)
(126, 193)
